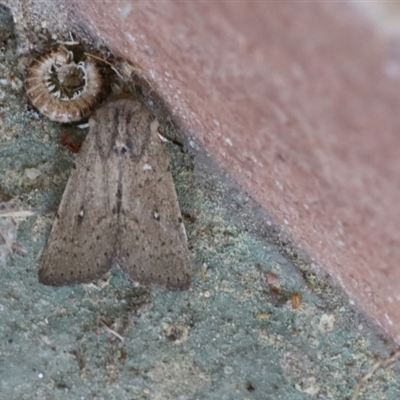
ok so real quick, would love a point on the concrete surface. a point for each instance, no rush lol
(238, 333)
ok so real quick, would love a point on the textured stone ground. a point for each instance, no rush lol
(237, 333)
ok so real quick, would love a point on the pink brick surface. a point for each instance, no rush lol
(294, 100)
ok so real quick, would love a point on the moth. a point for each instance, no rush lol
(120, 205)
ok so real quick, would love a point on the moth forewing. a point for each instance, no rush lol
(121, 203)
(153, 245)
(82, 241)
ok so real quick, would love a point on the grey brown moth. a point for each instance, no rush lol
(119, 204)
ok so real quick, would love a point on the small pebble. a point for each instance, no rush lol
(228, 370)
(32, 173)
(6, 23)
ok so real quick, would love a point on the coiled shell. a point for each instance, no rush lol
(63, 90)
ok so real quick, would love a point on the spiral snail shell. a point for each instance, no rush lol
(61, 89)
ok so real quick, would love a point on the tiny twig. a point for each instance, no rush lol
(13, 246)
(381, 363)
(106, 62)
(68, 43)
(71, 42)
(15, 214)
(98, 58)
(109, 330)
